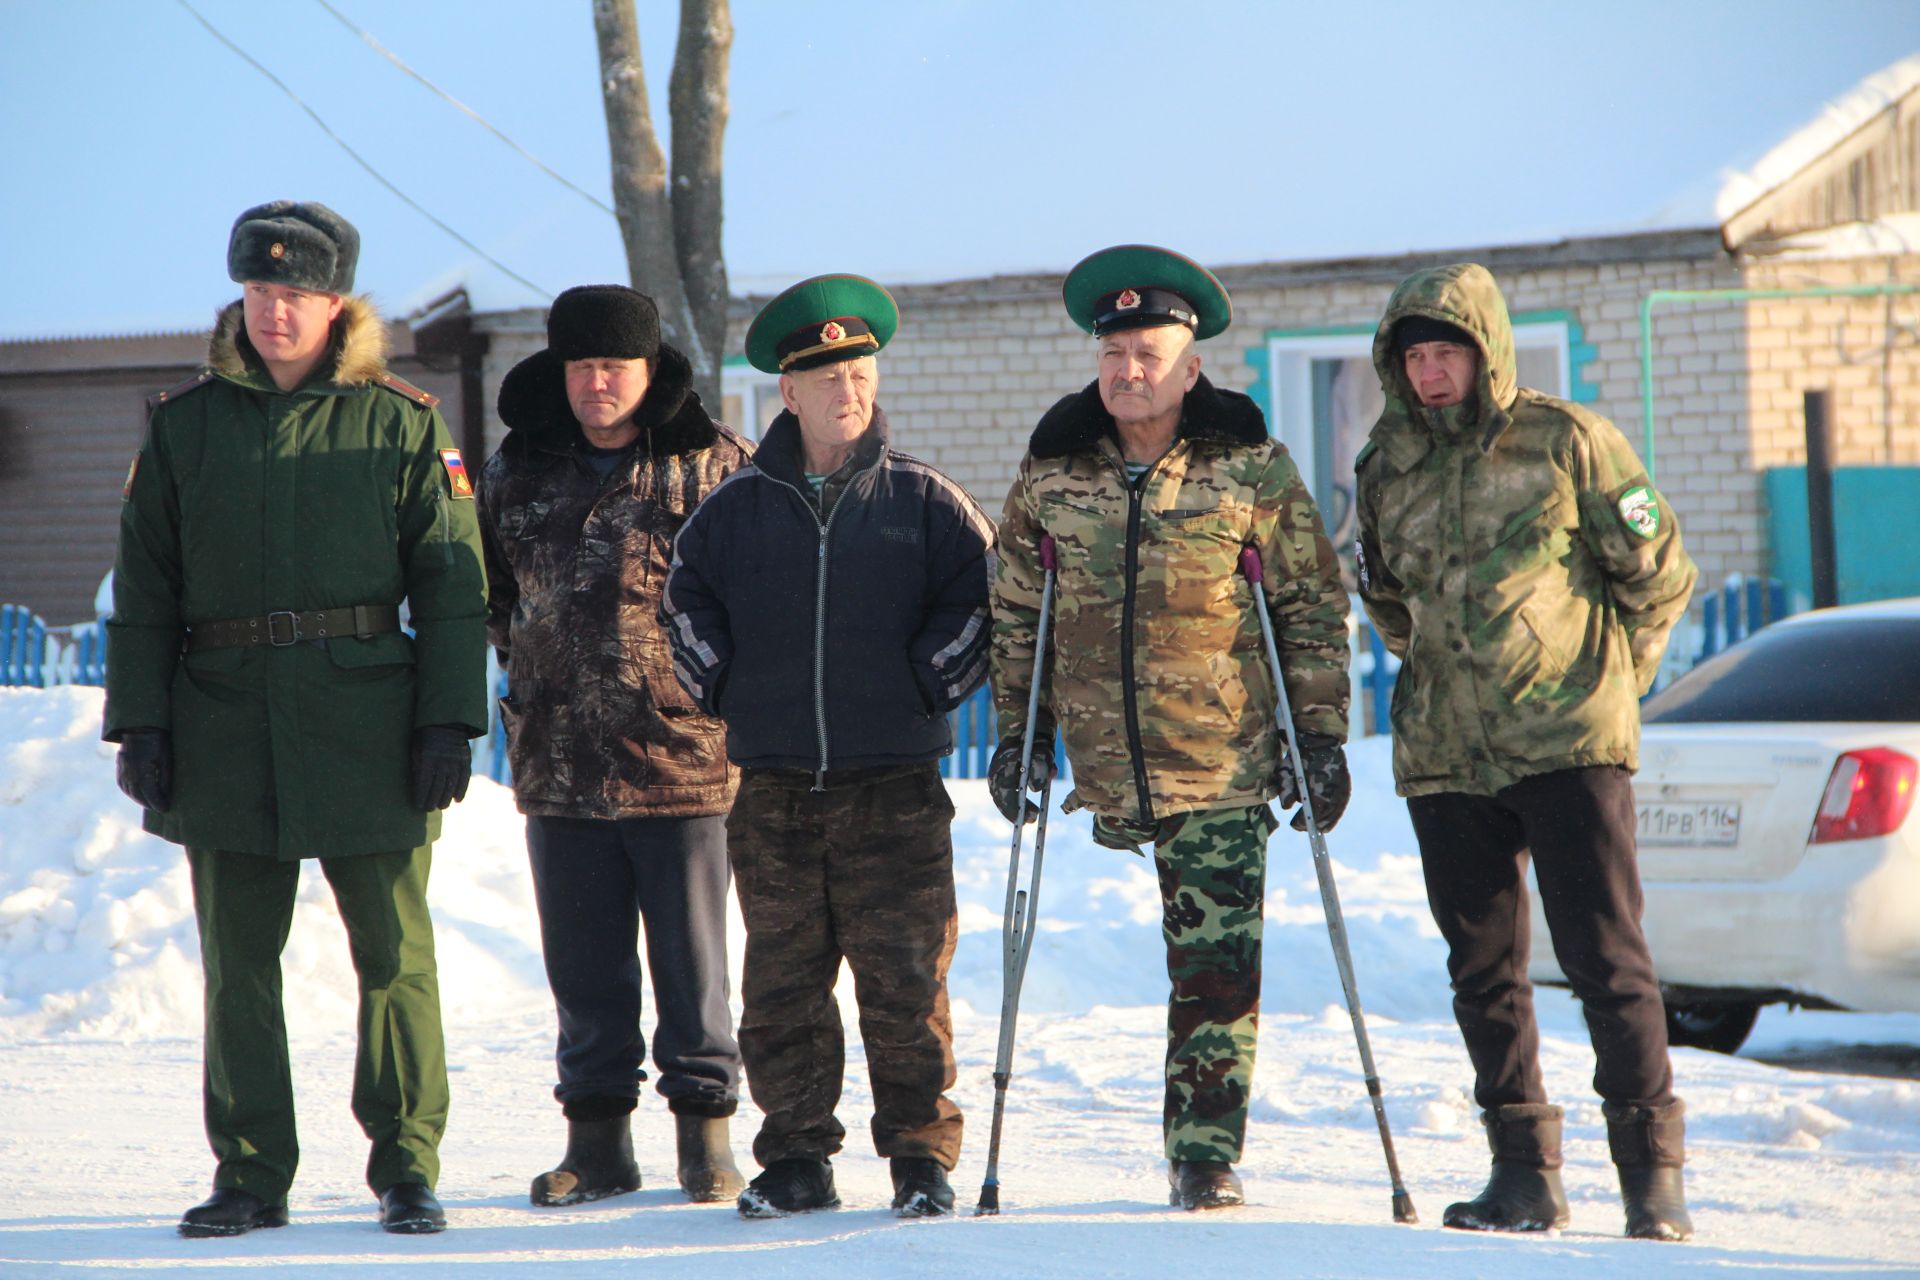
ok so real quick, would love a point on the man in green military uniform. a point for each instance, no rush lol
(1517, 557)
(269, 707)
(1150, 482)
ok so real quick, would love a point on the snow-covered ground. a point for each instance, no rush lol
(1793, 1171)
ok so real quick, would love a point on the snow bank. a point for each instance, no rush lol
(1790, 1170)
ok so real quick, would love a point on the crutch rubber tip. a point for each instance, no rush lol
(989, 1200)
(1403, 1208)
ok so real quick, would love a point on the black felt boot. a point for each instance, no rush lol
(598, 1163)
(1524, 1193)
(706, 1167)
(1649, 1146)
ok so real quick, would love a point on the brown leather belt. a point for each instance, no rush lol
(285, 627)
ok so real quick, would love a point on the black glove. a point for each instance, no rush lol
(1327, 782)
(1003, 775)
(145, 768)
(442, 764)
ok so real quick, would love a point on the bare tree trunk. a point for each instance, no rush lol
(640, 197)
(697, 103)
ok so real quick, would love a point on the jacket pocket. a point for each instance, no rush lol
(1554, 657)
(1542, 518)
(388, 649)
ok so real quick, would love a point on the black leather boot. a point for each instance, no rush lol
(920, 1187)
(1204, 1184)
(1649, 1146)
(797, 1184)
(1524, 1193)
(230, 1211)
(410, 1209)
(706, 1168)
(598, 1163)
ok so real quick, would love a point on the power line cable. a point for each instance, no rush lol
(360, 160)
(471, 114)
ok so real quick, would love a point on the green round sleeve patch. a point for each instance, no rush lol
(1640, 510)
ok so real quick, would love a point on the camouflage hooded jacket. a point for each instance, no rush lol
(597, 725)
(1515, 555)
(1159, 677)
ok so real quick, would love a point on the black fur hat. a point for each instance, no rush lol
(296, 243)
(603, 322)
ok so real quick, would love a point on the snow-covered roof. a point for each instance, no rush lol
(1835, 123)
(1896, 233)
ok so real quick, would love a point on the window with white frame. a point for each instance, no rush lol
(1326, 398)
(749, 399)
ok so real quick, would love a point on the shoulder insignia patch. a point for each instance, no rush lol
(457, 478)
(126, 490)
(1640, 510)
(194, 383)
(1360, 569)
(407, 389)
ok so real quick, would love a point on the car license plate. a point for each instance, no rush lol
(1708, 822)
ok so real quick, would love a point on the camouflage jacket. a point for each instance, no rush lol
(1515, 555)
(1158, 674)
(597, 725)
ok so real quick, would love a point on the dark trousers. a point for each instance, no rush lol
(594, 881)
(244, 904)
(1578, 826)
(862, 871)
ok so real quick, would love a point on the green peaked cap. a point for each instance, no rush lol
(820, 321)
(1133, 286)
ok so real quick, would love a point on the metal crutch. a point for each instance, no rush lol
(1022, 904)
(1329, 895)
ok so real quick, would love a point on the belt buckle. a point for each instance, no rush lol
(293, 628)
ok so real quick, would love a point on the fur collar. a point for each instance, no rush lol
(533, 405)
(357, 350)
(1079, 422)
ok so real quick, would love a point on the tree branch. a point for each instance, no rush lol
(697, 104)
(640, 198)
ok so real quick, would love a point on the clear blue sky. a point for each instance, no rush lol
(903, 139)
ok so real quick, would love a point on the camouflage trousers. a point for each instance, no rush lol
(1212, 867)
(860, 871)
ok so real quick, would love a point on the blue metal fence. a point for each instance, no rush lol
(23, 646)
(1739, 608)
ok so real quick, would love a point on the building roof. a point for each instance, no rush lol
(1836, 122)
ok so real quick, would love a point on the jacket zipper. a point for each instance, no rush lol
(820, 617)
(1129, 702)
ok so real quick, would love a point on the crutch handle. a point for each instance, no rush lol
(1250, 568)
(1048, 560)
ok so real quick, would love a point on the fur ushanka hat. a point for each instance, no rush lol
(295, 243)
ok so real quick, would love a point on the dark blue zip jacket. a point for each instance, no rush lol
(831, 641)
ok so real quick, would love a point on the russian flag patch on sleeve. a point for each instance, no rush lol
(457, 478)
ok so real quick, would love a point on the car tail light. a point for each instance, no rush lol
(1868, 794)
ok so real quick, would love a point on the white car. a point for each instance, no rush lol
(1775, 793)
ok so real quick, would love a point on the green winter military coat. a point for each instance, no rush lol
(1516, 556)
(246, 500)
(1160, 682)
